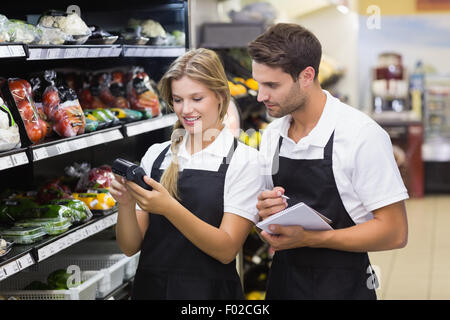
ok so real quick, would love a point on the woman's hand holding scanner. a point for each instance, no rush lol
(270, 202)
(157, 201)
(120, 192)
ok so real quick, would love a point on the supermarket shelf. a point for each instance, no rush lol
(49, 52)
(152, 51)
(23, 256)
(13, 158)
(143, 126)
(34, 153)
(55, 52)
(61, 146)
(13, 50)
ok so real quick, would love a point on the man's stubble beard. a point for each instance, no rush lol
(295, 102)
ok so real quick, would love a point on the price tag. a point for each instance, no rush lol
(140, 52)
(19, 159)
(35, 54)
(63, 147)
(94, 52)
(17, 51)
(70, 53)
(25, 261)
(6, 162)
(106, 52)
(131, 52)
(82, 52)
(4, 52)
(53, 53)
(117, 51)
(11, 268)
(113, 135)
(97, 139)
(78, 144)
(39, 154)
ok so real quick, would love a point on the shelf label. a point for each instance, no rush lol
(82, 52)
(6, 163)
(53, 53)
(70, 53)
(4, 52)
(40, 153)
(97, 139)
(78, 144)
(93, 52)
(112, 135)
(63, 147)
(35, 54)
(17, 51)
(106, 52)
(19, 158)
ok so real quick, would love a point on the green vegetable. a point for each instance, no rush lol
(57, 280)
(78, 205)
(58, 211)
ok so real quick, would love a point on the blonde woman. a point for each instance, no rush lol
(190, 227)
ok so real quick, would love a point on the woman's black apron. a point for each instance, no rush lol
(170, 266)
(311, 273)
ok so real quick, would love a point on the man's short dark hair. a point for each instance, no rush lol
(288, 46)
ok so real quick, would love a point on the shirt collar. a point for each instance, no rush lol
(219, 147)
(321, 133)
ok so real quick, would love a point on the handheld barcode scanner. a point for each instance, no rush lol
(130, 171)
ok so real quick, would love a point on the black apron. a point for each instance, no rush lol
(317, 273)
(170, 266)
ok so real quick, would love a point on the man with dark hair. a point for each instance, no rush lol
(333, 158)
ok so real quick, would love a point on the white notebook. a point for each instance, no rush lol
(297, 215)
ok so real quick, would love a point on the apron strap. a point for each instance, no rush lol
(160, 159)
(226, 160)
(328, 152)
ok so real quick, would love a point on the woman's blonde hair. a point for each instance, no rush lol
(204, 66)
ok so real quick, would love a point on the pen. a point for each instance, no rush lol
(285, 197)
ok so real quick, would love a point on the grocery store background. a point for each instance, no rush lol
(387, 58)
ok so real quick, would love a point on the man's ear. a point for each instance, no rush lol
(306, 77)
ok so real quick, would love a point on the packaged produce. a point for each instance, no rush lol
(20, 31)
(91, 125)
(23, 235)
(58, 279)
(9, 131)
(96, 178)
(141, 94)
(52, 36)
(133, 36)
(78, 205)
(37, 285)
(104, 120)
(52, 226)
(112, 90)
(21, 93)
(69, 23)
(54, 189)
(100, 36)
(4, 35)
(151, 29)
(97, 201)
(127, 115)
(53, 211)
(5, 247)
(62, 108)
(38, 86)
(15, 209)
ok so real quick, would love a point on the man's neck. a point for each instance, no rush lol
(304, 120)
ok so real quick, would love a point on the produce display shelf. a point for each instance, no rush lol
(23, 256)
(152, 51)
(139, 127)
(52, 52)
(120, 293)
(61, 146)
(13, 158)
(13, 50)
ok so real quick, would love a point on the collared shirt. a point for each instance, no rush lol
(243, 180)
(366, 174)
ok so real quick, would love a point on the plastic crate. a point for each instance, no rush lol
(106, 247)
(12, 287)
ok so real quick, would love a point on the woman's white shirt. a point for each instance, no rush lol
(243, 180)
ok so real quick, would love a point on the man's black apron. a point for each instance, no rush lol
(311, 273)
(170, 266)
